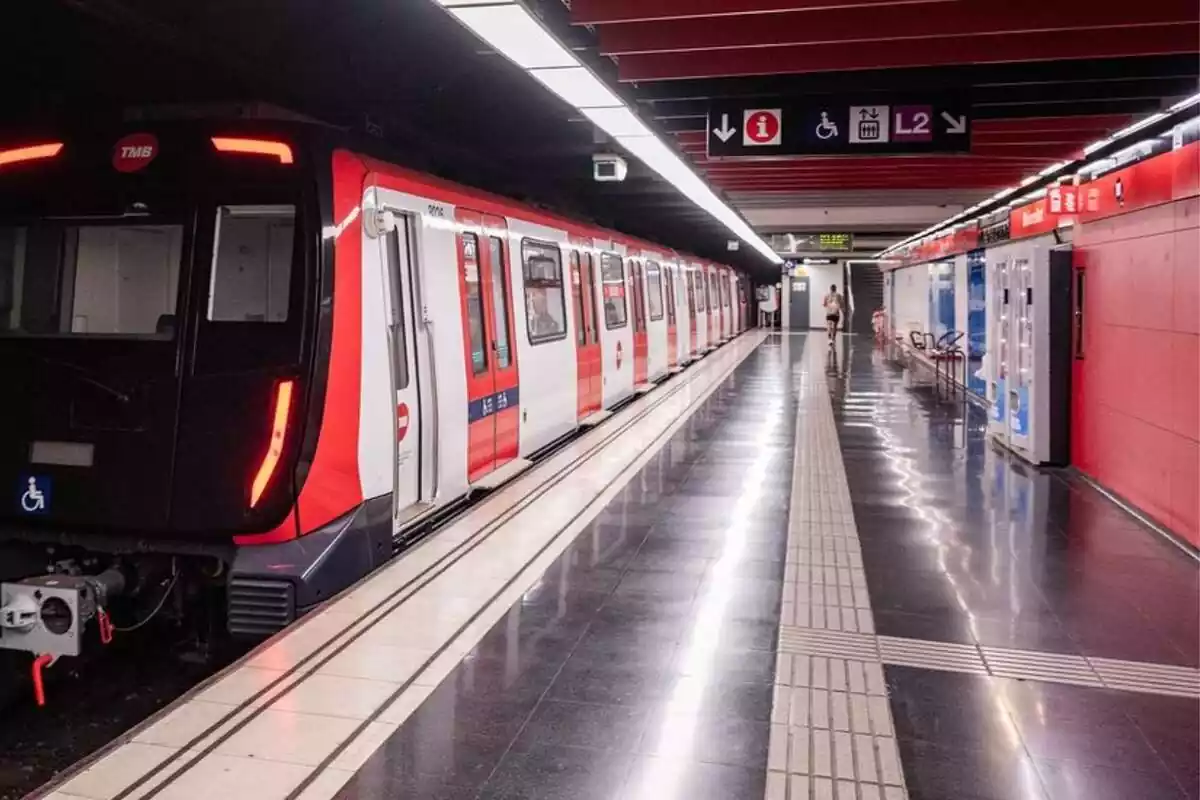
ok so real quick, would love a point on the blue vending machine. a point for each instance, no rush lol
(976, 321)
(941, 298)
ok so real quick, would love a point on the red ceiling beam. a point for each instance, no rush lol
(863, 183)
(1035, 137)
(843, 25)
(866, 174)
(836, 183)
(1027, 150)
(1106, 43)
(606, 12)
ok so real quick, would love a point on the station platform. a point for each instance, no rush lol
(783, 574)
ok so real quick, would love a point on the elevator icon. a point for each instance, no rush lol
(869, 124)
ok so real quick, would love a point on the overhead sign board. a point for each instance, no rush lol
(806, 242)
(837, 126)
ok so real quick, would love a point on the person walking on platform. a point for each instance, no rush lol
(833, 312)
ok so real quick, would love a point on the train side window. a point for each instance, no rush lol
(698, 282)
(396, 274)
(252, 264)
(593, 314)
(469, 245)
(581, 327)
(612, 277)
(639, 298)
(654, 289)
(545, 301)
(670, 287)
(500, 300)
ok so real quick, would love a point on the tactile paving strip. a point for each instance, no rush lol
(832, 736)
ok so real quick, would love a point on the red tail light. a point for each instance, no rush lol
(283, 406)
(31, 153)
(259, 147)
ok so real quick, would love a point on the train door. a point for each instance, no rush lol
(640, 340)
(587, 334)
(713, 301)
(727, 305)
(695, 335)
(493, 416)
(668, 274)
(408, 480)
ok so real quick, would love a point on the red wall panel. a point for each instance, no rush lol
(1136, 402)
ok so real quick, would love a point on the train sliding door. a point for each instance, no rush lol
(408, 479)
(641, 344)
(668, 273)
(588, 357)
(493, 415)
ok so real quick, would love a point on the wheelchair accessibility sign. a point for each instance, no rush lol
(34, 494)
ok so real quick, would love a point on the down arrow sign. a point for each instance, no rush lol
(725, 131)
(955, 124)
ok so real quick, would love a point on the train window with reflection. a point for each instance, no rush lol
(476, 332)
(252, 264)
(545, 300)
(111, 278)
(698, 283)
(654, 289)
(612, 277)
(500, 300)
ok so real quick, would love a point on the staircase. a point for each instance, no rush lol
(866, 288)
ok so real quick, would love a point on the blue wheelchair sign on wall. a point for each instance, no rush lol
(34, 494)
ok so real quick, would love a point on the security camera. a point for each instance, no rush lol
(609, 167)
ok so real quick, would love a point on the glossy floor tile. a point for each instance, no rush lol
(991, 738)
(962, 544)
(641, 663)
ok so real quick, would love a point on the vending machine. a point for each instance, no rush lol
(1028, 352)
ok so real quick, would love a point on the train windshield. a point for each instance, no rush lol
(153, 294)
(97, 277)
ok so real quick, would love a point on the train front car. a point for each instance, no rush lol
(160, 326)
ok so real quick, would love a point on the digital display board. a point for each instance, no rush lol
(835, 241)
(808, 242)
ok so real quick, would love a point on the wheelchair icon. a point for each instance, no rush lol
(826, 129)
(33, 501)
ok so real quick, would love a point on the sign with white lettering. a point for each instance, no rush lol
(837, 126)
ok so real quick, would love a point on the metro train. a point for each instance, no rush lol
(244, 354)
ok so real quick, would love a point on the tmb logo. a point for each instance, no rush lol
(134, 152)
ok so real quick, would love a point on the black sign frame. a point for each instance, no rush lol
(814, 126)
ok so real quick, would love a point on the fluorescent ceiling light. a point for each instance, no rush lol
(1137, 126)
(1182, 104)
(578, 87)
(617, 122)
(1094, 146)
(1029, 198)
(514, 33)
(511, 31)
(1053, 168)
